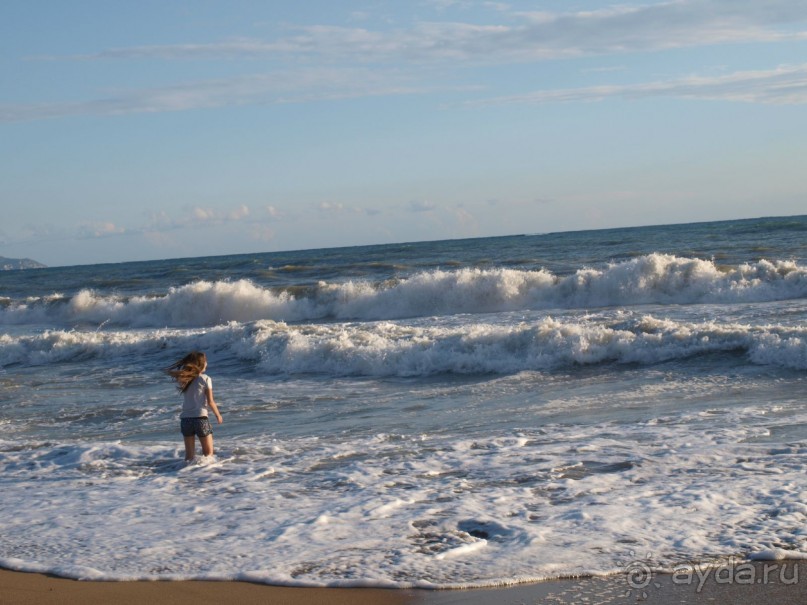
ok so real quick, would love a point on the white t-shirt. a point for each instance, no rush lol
(194, 404)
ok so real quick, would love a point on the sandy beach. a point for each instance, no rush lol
(782, 582)
(18, 588)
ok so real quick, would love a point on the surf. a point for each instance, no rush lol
(649, 279)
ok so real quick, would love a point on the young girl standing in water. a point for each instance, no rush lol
(197, 393)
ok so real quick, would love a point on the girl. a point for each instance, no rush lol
(197, 392)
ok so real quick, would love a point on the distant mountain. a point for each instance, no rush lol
(7, 264)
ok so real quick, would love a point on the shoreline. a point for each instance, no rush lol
(33, 588)
(745, 583)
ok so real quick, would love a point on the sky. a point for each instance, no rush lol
(171, 128)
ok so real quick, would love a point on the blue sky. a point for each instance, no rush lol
(161, 129)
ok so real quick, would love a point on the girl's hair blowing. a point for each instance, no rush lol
(187, 369)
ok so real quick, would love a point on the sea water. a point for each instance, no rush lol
(444, 414)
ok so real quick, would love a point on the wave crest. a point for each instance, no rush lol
(649, 279)
(396, 349)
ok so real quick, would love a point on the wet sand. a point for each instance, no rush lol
(19, 588)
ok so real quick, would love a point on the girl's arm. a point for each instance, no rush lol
(212, 405)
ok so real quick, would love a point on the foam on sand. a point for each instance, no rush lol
(403, 511)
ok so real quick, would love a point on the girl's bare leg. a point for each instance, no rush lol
(207, 445)
(190, 447)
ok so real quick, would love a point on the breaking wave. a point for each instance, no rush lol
(396, 349)
(650, 279)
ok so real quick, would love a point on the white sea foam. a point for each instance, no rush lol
(653, 278)
(422, 510)
(411, 349)
(675, 441)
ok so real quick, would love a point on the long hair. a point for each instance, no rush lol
(187, 369)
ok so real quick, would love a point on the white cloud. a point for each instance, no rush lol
(203, 214)
(673, 24)
(271, 88)
(785, 85)
(421, 206)
(99, 229)
(239, 213)
(162, 221)
(466, 221)
(535, 36)
(209, 215)
(331, 207)
(320, 54)
(340, 208)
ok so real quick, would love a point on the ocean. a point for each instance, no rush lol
(449, 414)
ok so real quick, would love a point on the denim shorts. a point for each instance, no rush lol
(195, 426)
